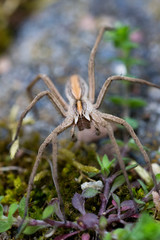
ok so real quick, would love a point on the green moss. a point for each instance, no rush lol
(77, 156)
(139, 194)
(123, 193)
(15, 189)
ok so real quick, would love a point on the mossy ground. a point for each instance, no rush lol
(14, 183)
(71, 160)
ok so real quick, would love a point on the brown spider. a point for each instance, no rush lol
(81, 111)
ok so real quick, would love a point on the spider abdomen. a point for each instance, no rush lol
(83, 123)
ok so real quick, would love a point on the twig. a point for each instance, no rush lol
(11, 168)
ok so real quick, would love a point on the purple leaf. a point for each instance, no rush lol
(65, 236)
(57, 210)
(129, 205)
(112, 216)
(85, 236)
(78, 203)
(126, 205)
(114, 203)
(89, 220)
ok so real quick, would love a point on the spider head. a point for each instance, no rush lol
(77, 94)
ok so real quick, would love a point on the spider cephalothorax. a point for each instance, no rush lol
(81, 110)
(77, 94)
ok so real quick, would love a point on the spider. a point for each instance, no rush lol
(81, 110)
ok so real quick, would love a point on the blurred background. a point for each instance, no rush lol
(55, 37)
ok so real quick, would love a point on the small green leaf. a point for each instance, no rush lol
(131, 166)
(116, 199)
(111, 163)
(105, 161)
(12, 209)
(48, 211)
(5, 225)
(158, 177)
(119, 181)
(21, 207)
(143, 186)
(99, 161)
(121, 233)
(89, 192)
(14, 148)
(120, 37)
(105, 164)
(150, 205)
(132, 122)
(136, 102)
(139, 201)
(118, 100)
(130, 102)
(130, 61)
(107, 236)
(102, 223)
(132, 144)
(1, 211)
(120, 142)
(32, 229)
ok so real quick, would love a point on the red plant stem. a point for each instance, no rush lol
(105, 195)
(66, 224)
(125, 215)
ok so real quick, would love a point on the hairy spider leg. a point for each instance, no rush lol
(91, 67)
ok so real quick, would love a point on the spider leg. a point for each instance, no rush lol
(55, 172)
(112, 78)
(73, 135)
(118, 120)
(52, 137)
(36, 99)
(100, 120)
(118, 154)
(91, 73)
(51, 87)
